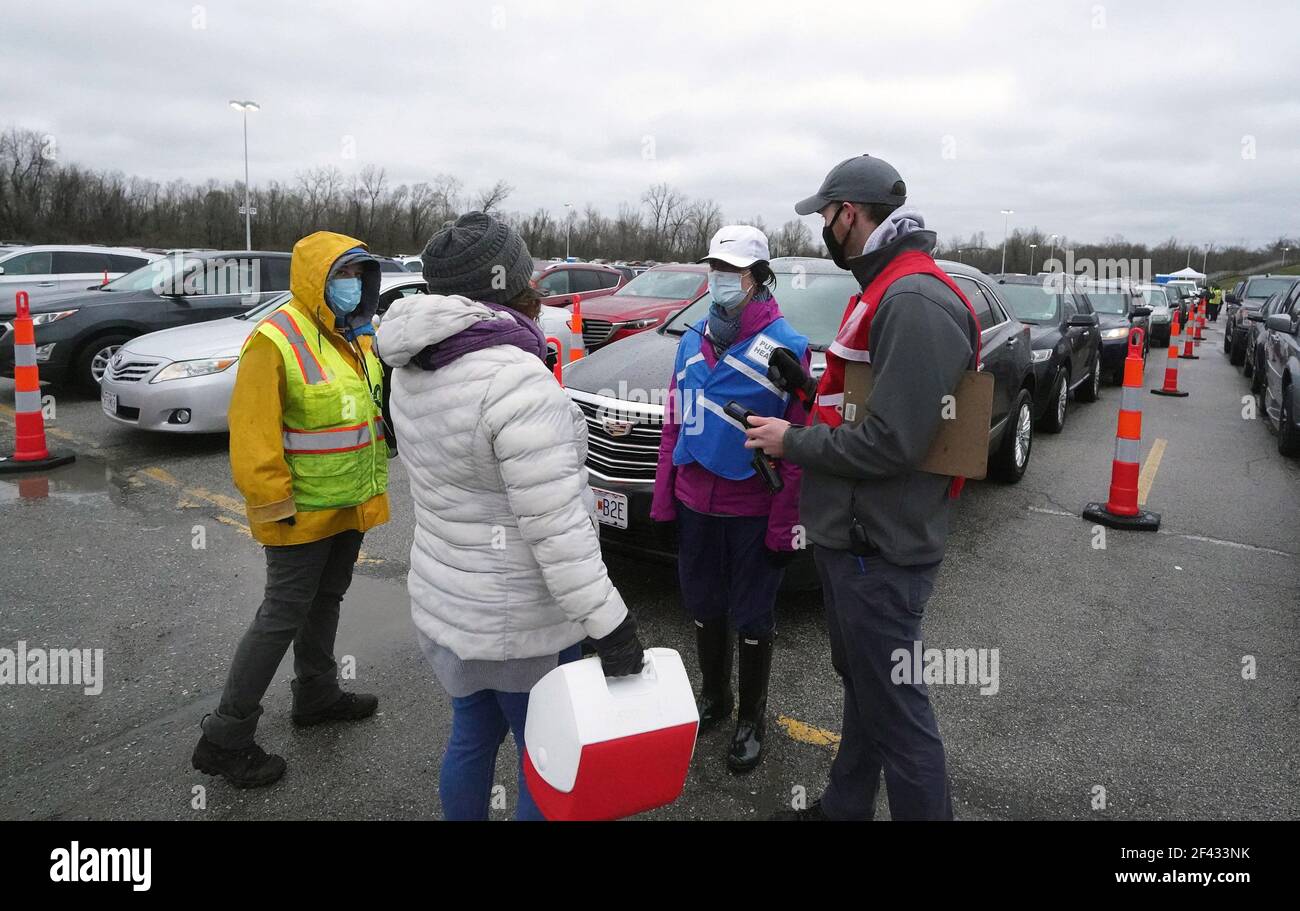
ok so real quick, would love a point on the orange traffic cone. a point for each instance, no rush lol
(105, 281)
(1171, 371)
(576, 346)
(1122, 510)
(1200, 323)
(30, 451)
(1190, 330)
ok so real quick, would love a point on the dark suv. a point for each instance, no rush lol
(1066, 341)
(1119, 307)
(78, 333)
(1255, 291)
(1281, 368)
(1256, 335)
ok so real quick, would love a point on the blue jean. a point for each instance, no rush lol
(479, 724)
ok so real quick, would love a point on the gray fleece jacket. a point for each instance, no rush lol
(922, 339)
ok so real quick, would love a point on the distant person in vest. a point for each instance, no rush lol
(735, 533)
(877, 523)
(506, 572)
(307, 451)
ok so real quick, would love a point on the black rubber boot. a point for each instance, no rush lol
(251, 767)
(713, 643)
(751, 723)
(811, 813)
(348, 707)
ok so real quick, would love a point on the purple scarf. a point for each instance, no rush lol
(520, 331)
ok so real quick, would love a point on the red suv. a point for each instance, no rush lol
(643, 303)
(561, 281)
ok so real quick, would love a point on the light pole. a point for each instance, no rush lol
(247, 209)
(1205, 259)
(1051, 251)
(1006, 221)
(568, 226)
(1284, 249)
(959, 253)
(1032, 248)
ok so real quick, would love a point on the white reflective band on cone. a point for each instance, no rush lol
(27, 402)
(1131, 399)
(1127, 450)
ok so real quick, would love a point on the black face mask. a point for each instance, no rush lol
(833, 246)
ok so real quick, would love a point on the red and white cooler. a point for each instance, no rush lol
(605, 748)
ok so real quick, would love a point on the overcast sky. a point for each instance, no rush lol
(1089, 119)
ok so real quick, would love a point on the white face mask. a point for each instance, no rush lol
(727, 291)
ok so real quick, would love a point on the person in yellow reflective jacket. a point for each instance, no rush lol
(308, 451)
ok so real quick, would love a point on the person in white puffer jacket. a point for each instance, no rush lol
(506, 572)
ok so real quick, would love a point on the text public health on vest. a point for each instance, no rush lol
(81, 667)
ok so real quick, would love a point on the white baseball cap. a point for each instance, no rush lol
(738, 245)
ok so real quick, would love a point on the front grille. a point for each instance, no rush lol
(596, 332)
(630, 456)
(131, 371)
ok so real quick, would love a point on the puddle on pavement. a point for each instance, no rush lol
(85, 481)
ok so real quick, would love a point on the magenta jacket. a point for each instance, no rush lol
(703, 491)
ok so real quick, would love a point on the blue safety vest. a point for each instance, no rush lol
(707, 435)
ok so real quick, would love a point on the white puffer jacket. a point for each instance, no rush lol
(506, 560)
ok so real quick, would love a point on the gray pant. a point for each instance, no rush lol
(305, 584)
(872, 608)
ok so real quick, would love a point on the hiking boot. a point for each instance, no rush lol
(348, 707)
(248, 767)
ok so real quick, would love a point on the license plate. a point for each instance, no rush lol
(611, 508)
(109, 401)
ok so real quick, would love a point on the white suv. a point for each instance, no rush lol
(51, 267)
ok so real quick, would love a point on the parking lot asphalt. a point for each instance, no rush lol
(1121, 665)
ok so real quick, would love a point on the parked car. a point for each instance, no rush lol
(622, 389)
(1120, 308)
(411, 263)
(51, 268)
(78, 333)
(643, 303)
(1256, 290)
(1256, 333)
(180, 380)
(1281, 370)
(1066, 337)
(561, 281)
(1162, 306)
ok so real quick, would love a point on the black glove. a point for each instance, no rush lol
(779, 559)
(621, 654)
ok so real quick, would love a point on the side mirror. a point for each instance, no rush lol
(1140, 312)
(1280, 322)
(2, 270)
(1255, 316)
(1082, 320)
(1230, 298)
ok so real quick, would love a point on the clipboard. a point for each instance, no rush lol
(961, 445)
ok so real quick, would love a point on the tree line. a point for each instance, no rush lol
(45, 200)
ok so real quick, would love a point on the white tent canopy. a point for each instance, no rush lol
(1189, 272)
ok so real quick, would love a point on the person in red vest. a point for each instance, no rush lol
(877, 523)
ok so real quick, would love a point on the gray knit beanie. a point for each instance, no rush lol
(477, 257)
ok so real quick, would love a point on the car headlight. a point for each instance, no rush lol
(1042, 355)
(184, 369)
(40, 319)
(639, 323)
(1112, 334)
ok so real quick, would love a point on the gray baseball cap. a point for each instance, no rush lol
(858, 179)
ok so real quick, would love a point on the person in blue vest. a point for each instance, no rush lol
(735, 533)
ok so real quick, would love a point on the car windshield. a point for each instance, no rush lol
(813, 303)
(1154, 297)
(1261, 288)
(669, 283)
(148, 277)
(1109, 301)
(1031, 303)
(263, 309)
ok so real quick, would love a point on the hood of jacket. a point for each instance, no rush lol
(313, 261)
(900, 233)
(432, 330)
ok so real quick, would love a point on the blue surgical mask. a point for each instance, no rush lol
(343, 294)
(726, 291)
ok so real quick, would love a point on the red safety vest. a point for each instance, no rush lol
(853, 341)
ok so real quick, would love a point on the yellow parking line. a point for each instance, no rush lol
(807, 733)
(52, 431)
(1149, 469)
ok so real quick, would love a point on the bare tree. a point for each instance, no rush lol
(490, 200)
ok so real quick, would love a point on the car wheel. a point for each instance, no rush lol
(1090, 391)
(1054, 420)
(1248, 369)
(1256, 374)
(92, 360)
(1288, 435)
(1012, 458)
(1227, 340)
(1237, 356)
